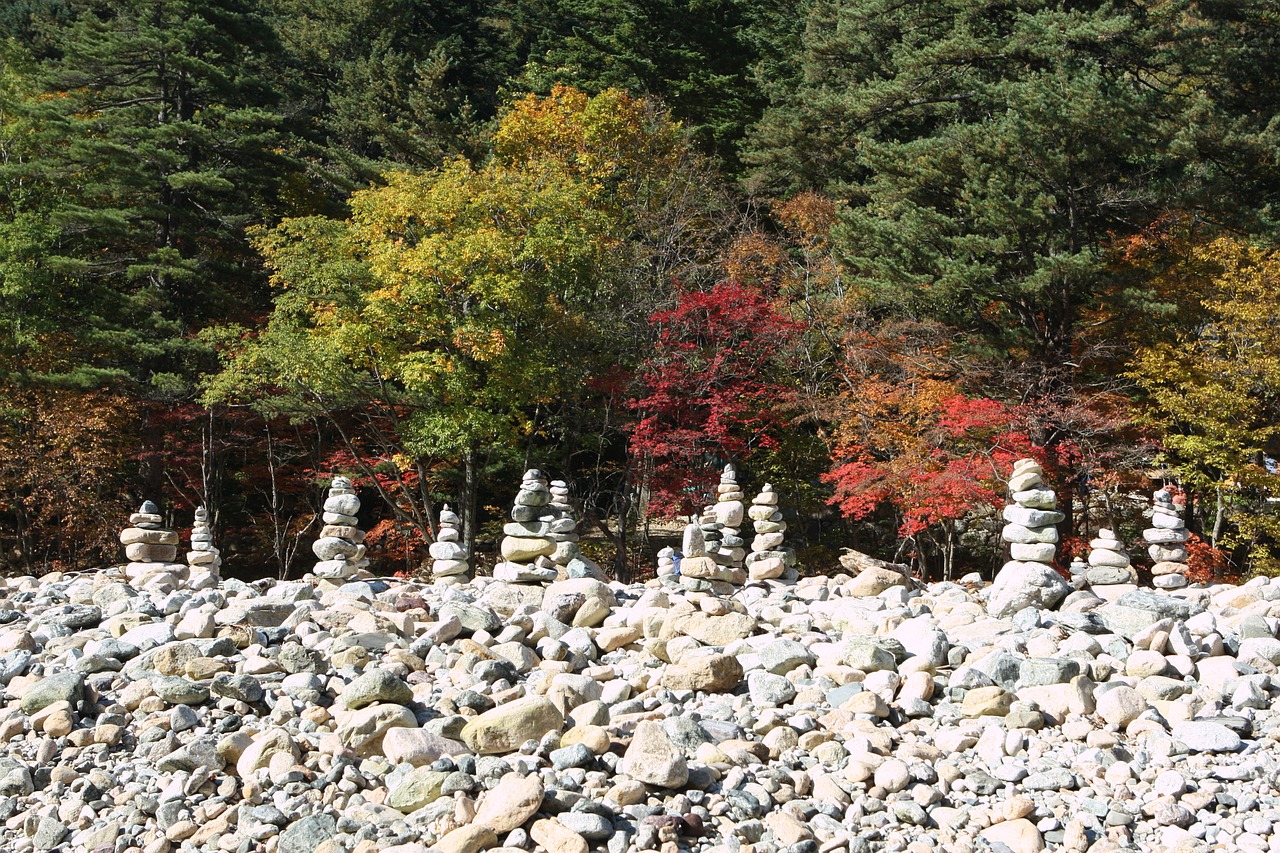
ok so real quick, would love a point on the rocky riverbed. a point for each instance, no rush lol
(836, 714)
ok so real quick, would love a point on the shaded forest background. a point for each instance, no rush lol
(871, 252)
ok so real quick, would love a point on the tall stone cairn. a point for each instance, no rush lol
(710, 527)
(527, 546)
(152, 549)
(204, 559)
(340, 547)
(729, 512)
(1109, 562)
(450, 560)
(1167, 543)
(769, 559)
(563, 520)
(1028, 579)
(1031, 520)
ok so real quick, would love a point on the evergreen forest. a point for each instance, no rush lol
(870, 252)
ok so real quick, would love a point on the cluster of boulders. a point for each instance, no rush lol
(839, 714)
(842, 714)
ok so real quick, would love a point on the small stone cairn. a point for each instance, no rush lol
(666, 562)
(340, 547)
(1167, 543)
(204, 559)
(564, 532)
(527, 545)
(450, 561)
(729, 512)
(1109, 562)
(151, 549)
(769, 558)
(700, 571)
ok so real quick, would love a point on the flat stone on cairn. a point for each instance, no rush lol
(1109, 562)
(1028, 579)
(527, 546)
(340, 547)
(152, 550)
(450, 560)
(1167, 543)
(204, 559)
(769, 558)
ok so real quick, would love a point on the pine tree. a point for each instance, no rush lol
(985, 153)
(155, 144)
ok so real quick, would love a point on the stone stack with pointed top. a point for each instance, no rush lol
(1109, 562)
(152, 550)
(1167, 543)
(1028, 579)
(700, 571)
(450, 560)
(340, 547)
(204, 559)
(729, 512)
(769, 559)
(527, 546)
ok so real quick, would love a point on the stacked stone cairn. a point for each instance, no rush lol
(666, 562)
(701, 571)
(204, 559)
(564, 532)
(729, 511)
(710, 526)
(1079, 568)
(527, 543)
(1109, 563)
(450, 561)
(340, 547)
(769, 559)
(1032, 519)
(1167, 543)
(152, 550)
(1028, 579)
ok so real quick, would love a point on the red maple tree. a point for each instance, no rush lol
(712, 392)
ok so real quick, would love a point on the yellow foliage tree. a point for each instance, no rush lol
(453, 303)
(1214, 397)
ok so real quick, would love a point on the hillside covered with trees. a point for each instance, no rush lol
(870, 252)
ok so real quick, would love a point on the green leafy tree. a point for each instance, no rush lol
(986, 155)
(1212, 397)
(452, 305)
(698, 58)
(151, 143)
